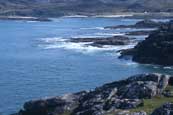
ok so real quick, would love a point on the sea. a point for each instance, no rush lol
(37, 62)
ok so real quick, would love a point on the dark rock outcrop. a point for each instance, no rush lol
(166, 109)
(99, 42)
(124, 94)
(141, 24)
(155, 49)
(52, 106)
(139, 33)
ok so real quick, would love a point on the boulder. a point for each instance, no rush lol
(52, 106)
(144, 86)
(139, 90)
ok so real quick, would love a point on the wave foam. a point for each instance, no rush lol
(96, 35)
(110, 34)
(52, 40)
(93, 28)
(56, 43)
(114, 16)
(168, 67)
(86, 36)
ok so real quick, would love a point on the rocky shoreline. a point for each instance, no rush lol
(155, 49)
(141, 24)
(135, 95)
(101, 41)
(24, 18)
(116, 98)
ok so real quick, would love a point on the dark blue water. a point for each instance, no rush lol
(36, 63)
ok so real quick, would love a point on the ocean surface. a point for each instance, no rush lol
(36, 62)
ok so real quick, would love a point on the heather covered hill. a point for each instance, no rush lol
(68, 7)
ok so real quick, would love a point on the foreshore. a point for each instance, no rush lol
(24, 18)
(131, 15)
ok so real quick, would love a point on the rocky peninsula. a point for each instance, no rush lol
(155, 49)
(141, 24)
(131, 96)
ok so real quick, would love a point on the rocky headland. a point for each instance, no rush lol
(141, 24)
(155, 49)
(137, 95)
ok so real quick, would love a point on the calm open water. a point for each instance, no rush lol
(36, 63)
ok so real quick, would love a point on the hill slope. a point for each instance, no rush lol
(67, 7)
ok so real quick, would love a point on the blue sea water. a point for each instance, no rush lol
(35, 62)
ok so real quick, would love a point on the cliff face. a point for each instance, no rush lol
(65, 7)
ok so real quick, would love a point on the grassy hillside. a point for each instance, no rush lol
(66, 7)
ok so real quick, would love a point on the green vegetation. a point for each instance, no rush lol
(150, 104)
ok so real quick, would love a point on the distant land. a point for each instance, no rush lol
(55, 8)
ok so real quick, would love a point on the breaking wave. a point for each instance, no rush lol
(57, 42)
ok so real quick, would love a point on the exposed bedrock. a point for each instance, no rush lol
(124, 94)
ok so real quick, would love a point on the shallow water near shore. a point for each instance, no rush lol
(36, 62)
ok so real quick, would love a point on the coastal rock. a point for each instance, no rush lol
(171, 81)
(139, 33)
(115, 40)
(139, 90)
(166, 109)
(141, 24)
(100, 107)
(147, 24)
(123, 94)
(52, 106)
(156, 49)
(144, 86)
(138, 113)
